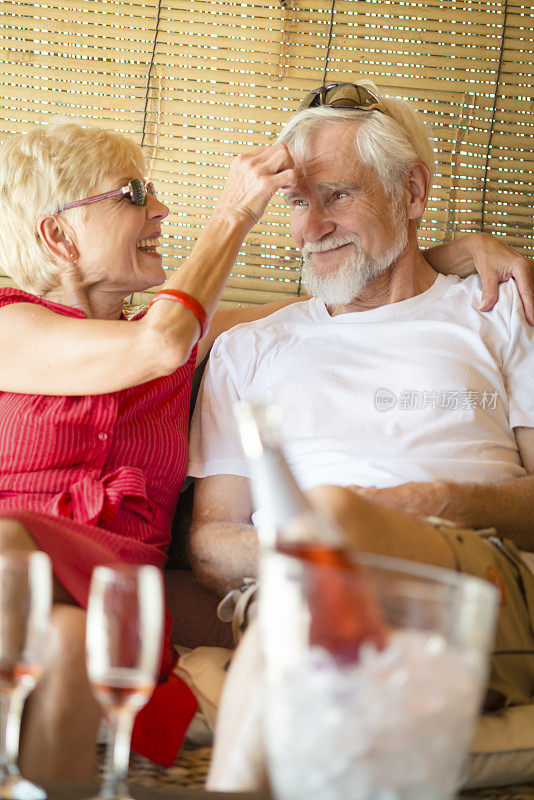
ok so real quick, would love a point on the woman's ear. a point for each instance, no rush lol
(57, 242)
(418, 183)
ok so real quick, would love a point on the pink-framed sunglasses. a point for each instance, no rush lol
(136, 192)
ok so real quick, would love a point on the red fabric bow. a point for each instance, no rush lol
(92, 500)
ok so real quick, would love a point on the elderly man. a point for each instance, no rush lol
(390, 379)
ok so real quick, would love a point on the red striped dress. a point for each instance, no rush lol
(95, 479)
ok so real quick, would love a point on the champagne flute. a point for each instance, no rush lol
(25, 604)
(125, 617)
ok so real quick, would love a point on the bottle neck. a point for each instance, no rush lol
(283, 513)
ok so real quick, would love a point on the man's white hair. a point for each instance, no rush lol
(389, 142)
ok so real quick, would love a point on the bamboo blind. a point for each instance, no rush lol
(198, 82)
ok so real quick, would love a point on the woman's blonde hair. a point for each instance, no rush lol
(389, 142)
(42, 170)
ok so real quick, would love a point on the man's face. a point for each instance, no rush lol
(348, 229)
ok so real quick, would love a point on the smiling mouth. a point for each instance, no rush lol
(339, 247)
(329, 251)
(148, 245)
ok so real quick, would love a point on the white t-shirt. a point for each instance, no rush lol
(425, 389)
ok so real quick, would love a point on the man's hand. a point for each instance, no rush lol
(422, 499)
(506, 506)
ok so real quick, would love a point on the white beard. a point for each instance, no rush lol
(355, 270)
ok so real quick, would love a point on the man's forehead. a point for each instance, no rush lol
(329, 150)
(331, 169)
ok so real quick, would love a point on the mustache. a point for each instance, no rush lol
(329, 243)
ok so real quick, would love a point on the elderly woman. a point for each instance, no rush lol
(93, 409)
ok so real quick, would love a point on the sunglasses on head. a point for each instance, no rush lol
(136, 192)
(342, 95)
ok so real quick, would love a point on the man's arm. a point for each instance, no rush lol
(507, 506)
(224, 544)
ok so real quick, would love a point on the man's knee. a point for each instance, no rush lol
(15, 536)
(376, 528)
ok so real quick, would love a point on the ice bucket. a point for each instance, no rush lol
(379, 720)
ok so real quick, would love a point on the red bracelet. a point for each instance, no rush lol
(186, 300)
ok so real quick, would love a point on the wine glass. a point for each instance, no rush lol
(125, 617)
(25, 604)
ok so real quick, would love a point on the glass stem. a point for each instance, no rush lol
(11, 705)
(13, 718)
(120, 724)
(4, 708)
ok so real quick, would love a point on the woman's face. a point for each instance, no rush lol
(116, 240)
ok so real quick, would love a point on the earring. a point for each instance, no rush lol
(73, 258)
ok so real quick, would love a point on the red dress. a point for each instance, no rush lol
(95, 479)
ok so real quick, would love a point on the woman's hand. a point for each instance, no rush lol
(494, 261)
(254, 178)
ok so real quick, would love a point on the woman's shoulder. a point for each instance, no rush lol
(10, 295)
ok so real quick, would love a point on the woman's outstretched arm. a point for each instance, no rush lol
(46, 353)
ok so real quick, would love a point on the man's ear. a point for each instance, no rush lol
(56, 240)
(418, 183)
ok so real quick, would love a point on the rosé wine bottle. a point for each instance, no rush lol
(345, 614)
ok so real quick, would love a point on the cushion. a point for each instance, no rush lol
(204, 671)
(502, 749)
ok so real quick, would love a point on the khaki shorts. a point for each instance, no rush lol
(483, 554)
